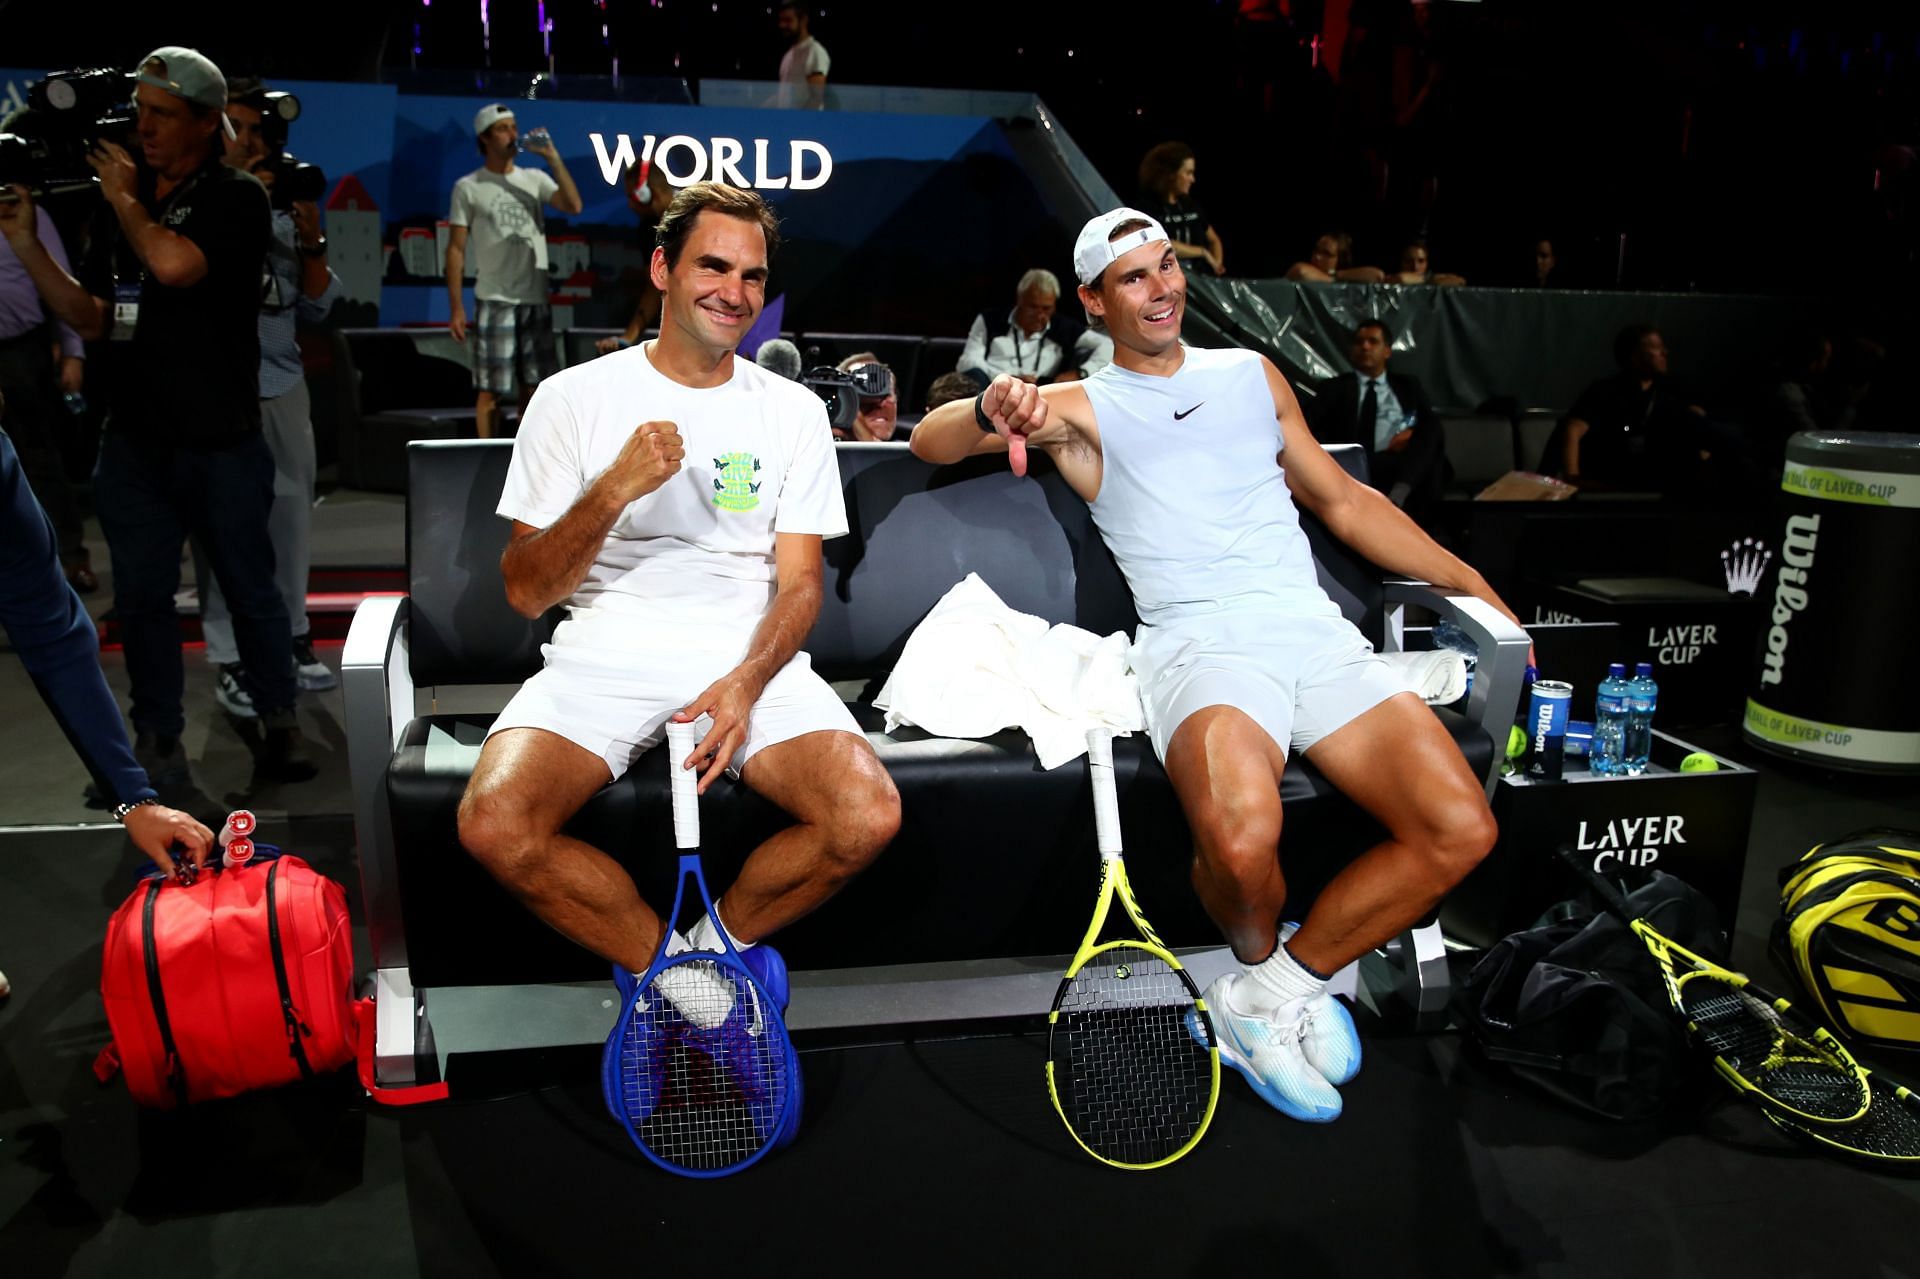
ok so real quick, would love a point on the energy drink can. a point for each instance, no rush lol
(1547, 727)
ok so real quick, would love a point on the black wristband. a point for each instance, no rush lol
(980, 414)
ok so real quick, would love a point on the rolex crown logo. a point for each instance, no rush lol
(1744, 563)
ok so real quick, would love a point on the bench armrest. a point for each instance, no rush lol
(377, 685)
(1503, 645)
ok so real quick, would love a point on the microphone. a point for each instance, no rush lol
(777, 355)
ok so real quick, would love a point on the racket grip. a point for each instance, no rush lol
(1106, 803)
(240, 824)
(1610, 897)
(685, 783)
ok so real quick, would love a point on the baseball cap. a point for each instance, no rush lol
(1093, 250)
(490, 115)
(188, 75)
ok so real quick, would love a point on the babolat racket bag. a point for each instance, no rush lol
(1850, 930)
(239, 980)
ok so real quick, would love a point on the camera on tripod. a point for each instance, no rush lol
(843, 391)
(72, 112)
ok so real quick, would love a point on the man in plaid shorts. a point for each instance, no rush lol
(501, 208)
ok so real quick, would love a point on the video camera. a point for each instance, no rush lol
(843, 391)
(72, 112)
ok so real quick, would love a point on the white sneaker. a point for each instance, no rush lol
(698, 991)
(1269, 1052)
(1330, 1041)
(309, 671)
(232, 694)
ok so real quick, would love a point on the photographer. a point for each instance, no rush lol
(300, 286)
(183, 452)
(44, 315)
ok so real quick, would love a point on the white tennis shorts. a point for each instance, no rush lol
(616, 702)
(1299, 678)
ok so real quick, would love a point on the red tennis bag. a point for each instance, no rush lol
(240, 980)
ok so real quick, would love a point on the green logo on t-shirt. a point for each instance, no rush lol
(735, 488)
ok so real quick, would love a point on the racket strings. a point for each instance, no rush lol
(1135, 1083)
(1783, 1065)
(702, 1067)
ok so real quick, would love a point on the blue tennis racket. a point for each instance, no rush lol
(699, 1069)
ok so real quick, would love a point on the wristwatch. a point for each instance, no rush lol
(318, 249)
(120, 811)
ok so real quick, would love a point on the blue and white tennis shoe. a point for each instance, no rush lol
(1270, 1052)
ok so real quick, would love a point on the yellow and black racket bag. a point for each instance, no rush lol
(1849, 929)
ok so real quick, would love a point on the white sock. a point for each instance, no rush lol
(1276, 980)
(705, 936)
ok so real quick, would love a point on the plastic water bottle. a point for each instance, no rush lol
(1643, 696)
(1607, 755)
(1448, 636)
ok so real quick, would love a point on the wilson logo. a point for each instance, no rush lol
(1789, 591)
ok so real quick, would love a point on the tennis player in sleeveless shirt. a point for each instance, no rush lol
(1194, 464)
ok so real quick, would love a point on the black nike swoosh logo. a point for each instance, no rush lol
(1194, 409)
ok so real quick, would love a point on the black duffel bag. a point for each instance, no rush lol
(1575, 1006)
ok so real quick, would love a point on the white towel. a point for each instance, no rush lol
(1438, 677)
(974, 666)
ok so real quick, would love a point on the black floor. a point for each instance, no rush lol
(935, 1156)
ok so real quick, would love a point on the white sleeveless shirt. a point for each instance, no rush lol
(1192, 501)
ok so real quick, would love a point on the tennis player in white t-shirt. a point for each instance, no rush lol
(1194, 464)
(674, 497)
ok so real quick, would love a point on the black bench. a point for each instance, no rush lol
(994, 864)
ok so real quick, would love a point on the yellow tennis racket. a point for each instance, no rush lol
(1132, 1063)
(1761, 1046)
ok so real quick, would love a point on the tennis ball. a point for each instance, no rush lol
(1516, 742)
(1699, 762)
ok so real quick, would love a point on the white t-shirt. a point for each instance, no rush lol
(807, 58)
(507, 236)
(696, 554)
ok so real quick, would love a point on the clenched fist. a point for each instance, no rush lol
(649, 458)
(1016, 411)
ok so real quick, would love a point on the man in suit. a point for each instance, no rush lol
(1390, 415)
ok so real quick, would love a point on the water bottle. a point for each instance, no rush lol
(1448, 636)
(1607, 755)
(1643, 695)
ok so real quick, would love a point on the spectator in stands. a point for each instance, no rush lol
(804, 66)
(501, 206)
(1630, 430)
(1390, 416)
(300, 286)
(949, 387)
(879, 415)
(1331, 260)
(183, 454)
(1414, 268)
(42, 359)
(1166, 193)
(1034, 341)
(1545, 273)
(647, 195)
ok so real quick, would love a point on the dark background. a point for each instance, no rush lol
(1755, 146)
